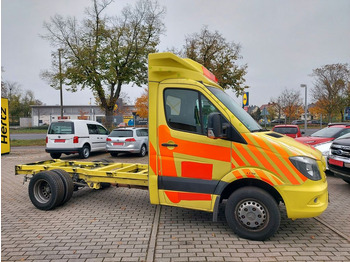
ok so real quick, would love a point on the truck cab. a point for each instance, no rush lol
(205, 149)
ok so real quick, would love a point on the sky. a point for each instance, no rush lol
(281, 41)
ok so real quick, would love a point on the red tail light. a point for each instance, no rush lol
(130, 140)
(47, 140)
(108, 139)
(75, 140)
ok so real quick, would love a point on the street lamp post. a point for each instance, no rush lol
(305, 114)
(60, 69)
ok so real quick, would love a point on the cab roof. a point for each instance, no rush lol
(162, 66)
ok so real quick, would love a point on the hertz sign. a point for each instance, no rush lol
(5, 127)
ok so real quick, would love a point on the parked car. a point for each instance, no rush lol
(298, 122)
(75, 136)
(128, 140)
(326, 147)
(288, 130)
(329, 133)
(339, 158)
(278, 121)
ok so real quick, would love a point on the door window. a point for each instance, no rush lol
(92, 129)
(187, 110)
(102, 130)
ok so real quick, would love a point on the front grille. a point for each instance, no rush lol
(339, 150)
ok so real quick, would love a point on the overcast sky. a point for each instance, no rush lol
(282, 41)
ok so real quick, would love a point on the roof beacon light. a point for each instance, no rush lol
(209, 75)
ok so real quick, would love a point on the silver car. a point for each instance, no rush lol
(128, 140)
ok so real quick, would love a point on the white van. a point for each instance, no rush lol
(75, 136)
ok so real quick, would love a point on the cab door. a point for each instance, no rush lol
(190, 164)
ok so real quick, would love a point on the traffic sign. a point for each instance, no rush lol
(246, 99)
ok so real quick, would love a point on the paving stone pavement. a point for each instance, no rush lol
(119, 224)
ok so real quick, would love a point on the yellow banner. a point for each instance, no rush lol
(5, 126)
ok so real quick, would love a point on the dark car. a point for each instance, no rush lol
(329, 133)
(298, 122)
(339, 158)
(278, 121)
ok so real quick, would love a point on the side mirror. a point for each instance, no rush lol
(217, 126)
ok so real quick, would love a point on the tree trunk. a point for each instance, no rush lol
(109, 118)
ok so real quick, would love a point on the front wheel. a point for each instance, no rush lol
(252, 213)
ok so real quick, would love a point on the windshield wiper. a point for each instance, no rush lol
(259, 130)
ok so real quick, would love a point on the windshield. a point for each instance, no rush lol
(329, 132)
(236, 110)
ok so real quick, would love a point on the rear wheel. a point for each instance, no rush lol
(252, 213)
(67, 183)
(55, 155)
(143, 151)
(46, 190)
(85, 152)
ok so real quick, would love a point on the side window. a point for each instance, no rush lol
(345, 131)
(92, 129)
(102, 130)
(138, 132)
(181, 109)
(187, 110)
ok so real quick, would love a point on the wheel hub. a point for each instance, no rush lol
(251, 214)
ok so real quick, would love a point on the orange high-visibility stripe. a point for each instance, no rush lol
(246, 155)
(176, 197)
(237, 174)
(281, 151)
(152, 158)
(236, 157)
(263, 177)
(278, 162)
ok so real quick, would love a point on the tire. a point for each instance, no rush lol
(143, 150)
(46, 190)
(114, 154)
(67, 183)
(252, 213)
(55, 155)
(105, 185)
(85, 152)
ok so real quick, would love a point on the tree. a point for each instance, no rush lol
(141, 104)
(219, 56)
(19, 102)
(291, 103)
(104, 53)
(331, 88)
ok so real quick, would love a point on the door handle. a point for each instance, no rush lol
(169, 145)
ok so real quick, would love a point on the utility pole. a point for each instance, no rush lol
(305, 116)
(60, 69)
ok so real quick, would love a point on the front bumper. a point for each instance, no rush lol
(307, 200)
(340, 166)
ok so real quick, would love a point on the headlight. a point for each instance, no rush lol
(307, 166)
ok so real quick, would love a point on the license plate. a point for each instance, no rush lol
(60, 140)
(336, 162)
(118, 144)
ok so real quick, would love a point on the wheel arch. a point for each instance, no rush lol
(233, 186)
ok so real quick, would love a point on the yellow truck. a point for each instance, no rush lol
(203, 150)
